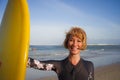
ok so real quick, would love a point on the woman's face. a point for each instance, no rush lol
(74, 45)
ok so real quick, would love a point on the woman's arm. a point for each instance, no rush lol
(91, 71)
(32, 63)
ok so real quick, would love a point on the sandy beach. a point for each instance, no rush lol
(108, 72)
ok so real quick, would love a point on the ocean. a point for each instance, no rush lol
(100, 55)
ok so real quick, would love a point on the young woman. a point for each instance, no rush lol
(73, 67)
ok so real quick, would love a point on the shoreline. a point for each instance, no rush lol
(106, 72)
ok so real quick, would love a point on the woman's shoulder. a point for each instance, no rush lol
(87, 62)
(89, 65)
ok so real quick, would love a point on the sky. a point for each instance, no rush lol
(51, 19)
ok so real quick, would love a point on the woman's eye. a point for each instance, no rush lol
(70, 40)
(79, 40)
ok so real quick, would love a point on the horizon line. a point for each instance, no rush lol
(62, 44)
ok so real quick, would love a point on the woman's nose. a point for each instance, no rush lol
(74, 43)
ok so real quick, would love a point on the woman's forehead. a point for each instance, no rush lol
(75, 36)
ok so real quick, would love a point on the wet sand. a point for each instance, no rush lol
(108, 72)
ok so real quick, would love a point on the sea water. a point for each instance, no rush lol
(100, 55)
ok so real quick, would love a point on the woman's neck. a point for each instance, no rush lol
(74, 59)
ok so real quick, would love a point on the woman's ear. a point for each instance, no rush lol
(0, 63)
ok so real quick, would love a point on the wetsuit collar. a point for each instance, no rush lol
(69, 66)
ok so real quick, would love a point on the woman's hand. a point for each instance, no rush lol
(28, 62)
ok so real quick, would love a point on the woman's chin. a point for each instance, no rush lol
(74, 52)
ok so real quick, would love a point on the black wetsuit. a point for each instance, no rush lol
(84, 70)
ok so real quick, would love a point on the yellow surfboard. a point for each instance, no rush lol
(14, 40)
